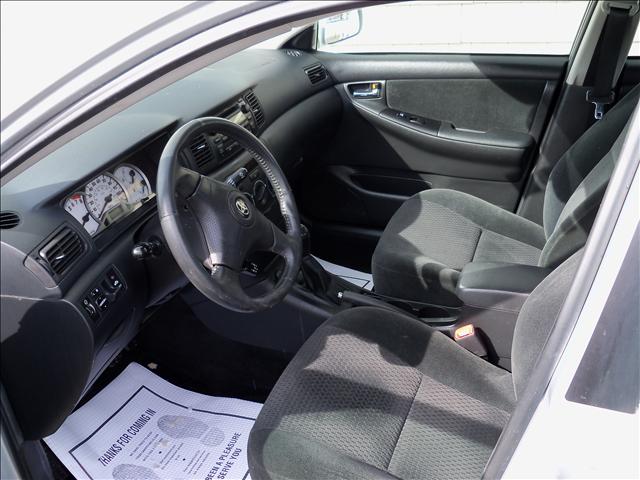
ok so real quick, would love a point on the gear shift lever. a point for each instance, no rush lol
(314, 276)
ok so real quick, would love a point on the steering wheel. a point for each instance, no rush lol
(211, 227)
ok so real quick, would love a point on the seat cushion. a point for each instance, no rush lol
(437, 232)
(375, 394)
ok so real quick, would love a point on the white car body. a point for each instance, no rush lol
(563, 438)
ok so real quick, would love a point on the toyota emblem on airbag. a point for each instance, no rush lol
(242, 207)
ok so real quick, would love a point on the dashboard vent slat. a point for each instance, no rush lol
(256, 108)
(316, 73)
(201, 151)
(62, 251)
(9, 220)
(293, 53)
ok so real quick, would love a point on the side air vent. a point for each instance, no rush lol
(9, 220)
(62, 251)
(316, 73)
(256, 108)
(293, 53)
(201, 151)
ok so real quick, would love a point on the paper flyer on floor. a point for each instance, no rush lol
(142, 427)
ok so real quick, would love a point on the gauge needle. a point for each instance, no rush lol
(132, 174)
(85, 219)
(107, 200)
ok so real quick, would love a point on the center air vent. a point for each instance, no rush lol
(201, 151)
(256, 108)
(62, 251)
(9, 220)
(316, 73)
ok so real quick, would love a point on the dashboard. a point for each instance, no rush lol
(109, 197)
(74, 294)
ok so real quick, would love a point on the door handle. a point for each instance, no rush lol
(366, 90)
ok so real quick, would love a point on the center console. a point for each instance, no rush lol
(491, 296)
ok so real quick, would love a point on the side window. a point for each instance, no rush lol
(456, 26)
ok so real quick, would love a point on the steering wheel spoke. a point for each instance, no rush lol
(282, 245)
(187, 182)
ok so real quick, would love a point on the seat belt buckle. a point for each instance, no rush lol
(600, 102)
(466, 337)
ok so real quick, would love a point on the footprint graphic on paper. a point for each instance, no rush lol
(179, 426)
(128, 471)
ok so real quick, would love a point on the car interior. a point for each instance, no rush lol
(374, 245)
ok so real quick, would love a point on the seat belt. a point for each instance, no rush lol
(615, 28)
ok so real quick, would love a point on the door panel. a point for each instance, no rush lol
(476, 104)
(434, 146)
(470, 123)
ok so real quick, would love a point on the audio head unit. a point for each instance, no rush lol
(210, 151)
(240, 114)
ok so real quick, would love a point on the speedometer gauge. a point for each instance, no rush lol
(134, 182)
(102, 194)
(75, 206)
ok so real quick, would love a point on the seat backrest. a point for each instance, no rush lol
(578, 181)
(537, 318)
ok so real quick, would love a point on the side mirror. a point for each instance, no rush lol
(340, 27)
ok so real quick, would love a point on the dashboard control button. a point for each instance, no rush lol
(95, 292)
(113, 280)
(90, 308)
(103, 303)
(236, 177)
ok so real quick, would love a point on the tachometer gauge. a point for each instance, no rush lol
(75, 206)
(134, 182)
(102, 194)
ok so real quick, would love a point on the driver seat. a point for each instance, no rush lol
(375, 394)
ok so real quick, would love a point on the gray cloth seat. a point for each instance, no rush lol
(435, 233)
(376, 394)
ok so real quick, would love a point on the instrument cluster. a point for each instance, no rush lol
(109, 197)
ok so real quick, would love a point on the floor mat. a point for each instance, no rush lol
(360, 279)
(181, 349)
(143, 427)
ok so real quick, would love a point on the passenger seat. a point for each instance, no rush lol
(435, 233)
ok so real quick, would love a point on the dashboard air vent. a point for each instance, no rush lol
(62, 251)
(201, 151)
(316, 73)
(256, 108)
(293, 53)
(9, 220)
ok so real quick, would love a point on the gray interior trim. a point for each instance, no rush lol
(578, 71)
(494, 162)
(498, 285)
(601, 232)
